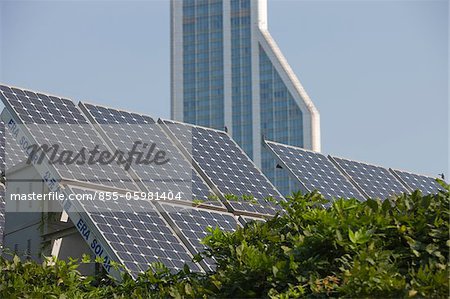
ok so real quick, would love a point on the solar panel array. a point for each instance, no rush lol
(227, 167)
(375, 181)
(205, 161)
(427, 185)
(45, 118)
(336, 177)
(192, 224)
(123, 129)
(136, 233)
(314, 171)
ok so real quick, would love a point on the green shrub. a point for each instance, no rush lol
(395, 248)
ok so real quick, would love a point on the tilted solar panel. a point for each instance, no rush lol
(122, 129)
(314, 171)
(192, 224)
(52, 120)
(426, 184)
(227, 167)
(375, 181)
(133, 232)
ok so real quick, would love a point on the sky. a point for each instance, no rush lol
(378, 71)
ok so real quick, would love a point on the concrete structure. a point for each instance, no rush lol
(228, 72)
(31, 231)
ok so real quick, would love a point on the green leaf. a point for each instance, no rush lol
(274, 271)
(351, 236)
(188, 289)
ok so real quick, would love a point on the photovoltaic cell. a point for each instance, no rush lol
(426, 184)
(193, 223)
(314, 171)
(227, 167)
(11, 154)
(375, 181)
(177, 176)
(137, 233)
(53, 120)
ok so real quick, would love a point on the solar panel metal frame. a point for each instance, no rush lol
(280, 161)
(398, 175)
(48, 172)
(205, 176)
(244, 220)
(133, 174)
(192, 247)
(2, 214)
(2, 147)
(356, 184)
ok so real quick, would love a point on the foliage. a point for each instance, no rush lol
(393, 248)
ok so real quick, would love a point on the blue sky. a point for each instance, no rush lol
(378, 71)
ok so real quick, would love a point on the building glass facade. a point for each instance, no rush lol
(241, 74)
(203, 63)
(281, 121)
(235, 77)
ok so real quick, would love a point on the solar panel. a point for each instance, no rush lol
(375, 181)
(11, 154)
(53, 120)
(122, 129)
(314, 171)
(226, 167)
(133, 232)
(426, 184)
(192, 224)
(245, 220)
(2, 214)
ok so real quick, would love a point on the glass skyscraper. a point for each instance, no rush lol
(228, 72)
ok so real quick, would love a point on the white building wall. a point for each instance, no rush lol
(32, 232)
